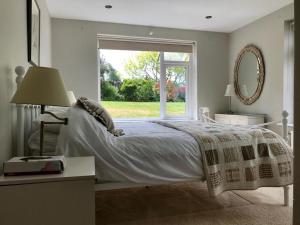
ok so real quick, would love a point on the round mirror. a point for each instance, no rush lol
(249, 74)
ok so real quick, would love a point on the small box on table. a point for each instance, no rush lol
(34, 165)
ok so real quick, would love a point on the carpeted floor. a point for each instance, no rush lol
(189, 204)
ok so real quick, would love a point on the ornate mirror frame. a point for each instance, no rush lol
(260, 74)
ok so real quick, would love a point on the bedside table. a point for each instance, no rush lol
(60, 199)
(240, 119)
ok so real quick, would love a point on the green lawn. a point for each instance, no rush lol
(142, 109)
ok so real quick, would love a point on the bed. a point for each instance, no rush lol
(155, 152)
(163, 152)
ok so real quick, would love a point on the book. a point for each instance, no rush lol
(34, 165)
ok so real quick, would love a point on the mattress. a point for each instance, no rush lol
(147, 153)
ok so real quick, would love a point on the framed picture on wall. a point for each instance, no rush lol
(33, 32)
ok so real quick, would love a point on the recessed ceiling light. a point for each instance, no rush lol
(108, 6)
(208, 17)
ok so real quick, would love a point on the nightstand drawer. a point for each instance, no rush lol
(238, 120)
(235, 119)
(221, 119)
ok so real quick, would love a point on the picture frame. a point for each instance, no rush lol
(33, 32)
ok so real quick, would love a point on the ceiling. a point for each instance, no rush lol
(228, 15)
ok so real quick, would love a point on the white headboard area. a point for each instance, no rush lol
(26, 114)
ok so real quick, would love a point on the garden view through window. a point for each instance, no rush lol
(144, 84)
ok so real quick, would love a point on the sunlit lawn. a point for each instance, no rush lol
(142, 109)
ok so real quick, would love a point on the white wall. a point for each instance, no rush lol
(13, 52)
(75, 55)
(268, 34)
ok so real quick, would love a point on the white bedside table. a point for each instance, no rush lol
(60, 199)
(240, 119)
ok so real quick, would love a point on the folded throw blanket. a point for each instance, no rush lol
(239, 157)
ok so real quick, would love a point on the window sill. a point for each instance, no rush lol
(129, 120)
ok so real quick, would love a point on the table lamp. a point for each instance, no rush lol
(229, 93)
(71, 97)
(43, 86)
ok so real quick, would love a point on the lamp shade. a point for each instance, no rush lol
(42, 86)
(229, 90)
(71, 97)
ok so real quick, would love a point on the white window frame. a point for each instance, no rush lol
(191, 99)
(164, 64)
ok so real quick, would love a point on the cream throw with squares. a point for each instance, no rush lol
(239, 157)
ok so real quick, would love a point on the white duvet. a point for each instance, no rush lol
(147, 153)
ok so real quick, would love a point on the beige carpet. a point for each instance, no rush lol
(189, 204)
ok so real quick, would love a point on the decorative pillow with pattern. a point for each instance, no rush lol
(100, 114)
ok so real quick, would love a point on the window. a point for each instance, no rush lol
(175, 76)
(288, 96)
(141, 79)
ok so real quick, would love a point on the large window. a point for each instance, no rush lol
(288, 97)
(149, 83)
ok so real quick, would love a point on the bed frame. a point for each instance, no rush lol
(26, 114)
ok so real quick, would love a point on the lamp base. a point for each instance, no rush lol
(43, 123)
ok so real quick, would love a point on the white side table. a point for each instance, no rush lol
(60, 199)
(240, 119)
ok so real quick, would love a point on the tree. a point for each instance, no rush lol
(109, 73)
(110, 81)
(144, 65)
(147, 65)
(177, 75)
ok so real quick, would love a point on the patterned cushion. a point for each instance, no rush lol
(100, 114)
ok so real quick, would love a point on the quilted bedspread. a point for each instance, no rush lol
(239, 157)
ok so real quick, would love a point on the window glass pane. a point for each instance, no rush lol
(130, 82)
(176, 56)
(176, 89)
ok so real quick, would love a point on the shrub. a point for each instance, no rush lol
(109, 92)
(171, 91)
(128, 90)
(141, 90)
(181, 94)
(145, 91)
